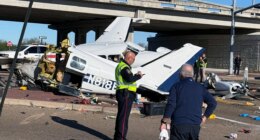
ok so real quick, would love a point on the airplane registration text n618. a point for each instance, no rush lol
(99, 81)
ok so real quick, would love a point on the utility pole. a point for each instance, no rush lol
(28, 13)
(253, 3)
(232, 38)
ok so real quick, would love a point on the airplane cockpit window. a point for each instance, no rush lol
(114, 58)
(103, 56)
(78, 63)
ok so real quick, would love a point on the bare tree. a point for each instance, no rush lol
(34, 40)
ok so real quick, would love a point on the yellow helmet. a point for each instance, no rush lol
(65, 43)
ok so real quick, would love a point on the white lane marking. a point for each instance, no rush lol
(31, 118)
(238, 122)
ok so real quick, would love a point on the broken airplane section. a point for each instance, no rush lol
(90, 68)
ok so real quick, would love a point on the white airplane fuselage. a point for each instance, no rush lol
(101, 78)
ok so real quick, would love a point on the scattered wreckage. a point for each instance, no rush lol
(228, 89)
(89, 68)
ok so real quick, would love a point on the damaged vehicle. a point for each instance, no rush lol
(227, 89)
(90, 68)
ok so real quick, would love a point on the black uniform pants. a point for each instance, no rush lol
(125, 100)
(185, 132)
(196, 73)
(236, 69)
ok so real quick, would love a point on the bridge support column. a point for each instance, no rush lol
(80, 36)
(61, 34)
(99, 31)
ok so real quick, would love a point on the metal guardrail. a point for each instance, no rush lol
(120, 1)
(186, 5)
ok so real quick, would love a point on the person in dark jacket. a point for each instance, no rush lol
(196, 70)
(237, 63)
(184, 107)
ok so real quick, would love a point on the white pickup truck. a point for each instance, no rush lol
(27, 52)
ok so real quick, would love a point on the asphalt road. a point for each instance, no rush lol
(33, 123)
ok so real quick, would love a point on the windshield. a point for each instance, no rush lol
(23, 47)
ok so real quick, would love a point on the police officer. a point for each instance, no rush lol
(125, 93)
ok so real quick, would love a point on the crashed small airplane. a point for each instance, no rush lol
(90, 68)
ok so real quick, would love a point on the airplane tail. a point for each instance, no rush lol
(117, 31)
(163, 72)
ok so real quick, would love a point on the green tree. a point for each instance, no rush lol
(4, 47)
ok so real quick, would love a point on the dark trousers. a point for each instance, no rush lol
(236, 69)
(196, 74)
(202, 74)
(185, 132)
(125, 100)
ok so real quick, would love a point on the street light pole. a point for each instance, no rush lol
(232, 38)
(253, 3)
(41, 38)
(28, 13)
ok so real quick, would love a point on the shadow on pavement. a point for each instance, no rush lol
(74, 124)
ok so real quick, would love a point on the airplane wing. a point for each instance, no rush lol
(163, 72)
(117, 31)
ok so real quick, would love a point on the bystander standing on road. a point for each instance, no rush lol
(125, 93)
(202, 67)
(237, 63)
(184, 107)
(196, 70)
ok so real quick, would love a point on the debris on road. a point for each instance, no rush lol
(233, 136)
(257, 112)
(246, 131)
(85, 101)
(104, 99)
(228, 89)
(226, 101)
(110, 117)
(257, 118)
(62, 108)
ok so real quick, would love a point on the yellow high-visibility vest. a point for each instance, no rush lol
(121, 83)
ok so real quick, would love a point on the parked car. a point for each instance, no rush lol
(27, 52)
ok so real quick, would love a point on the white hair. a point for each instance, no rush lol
(186, 72)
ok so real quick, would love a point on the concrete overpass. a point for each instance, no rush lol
(173, 16)
(175, 21)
